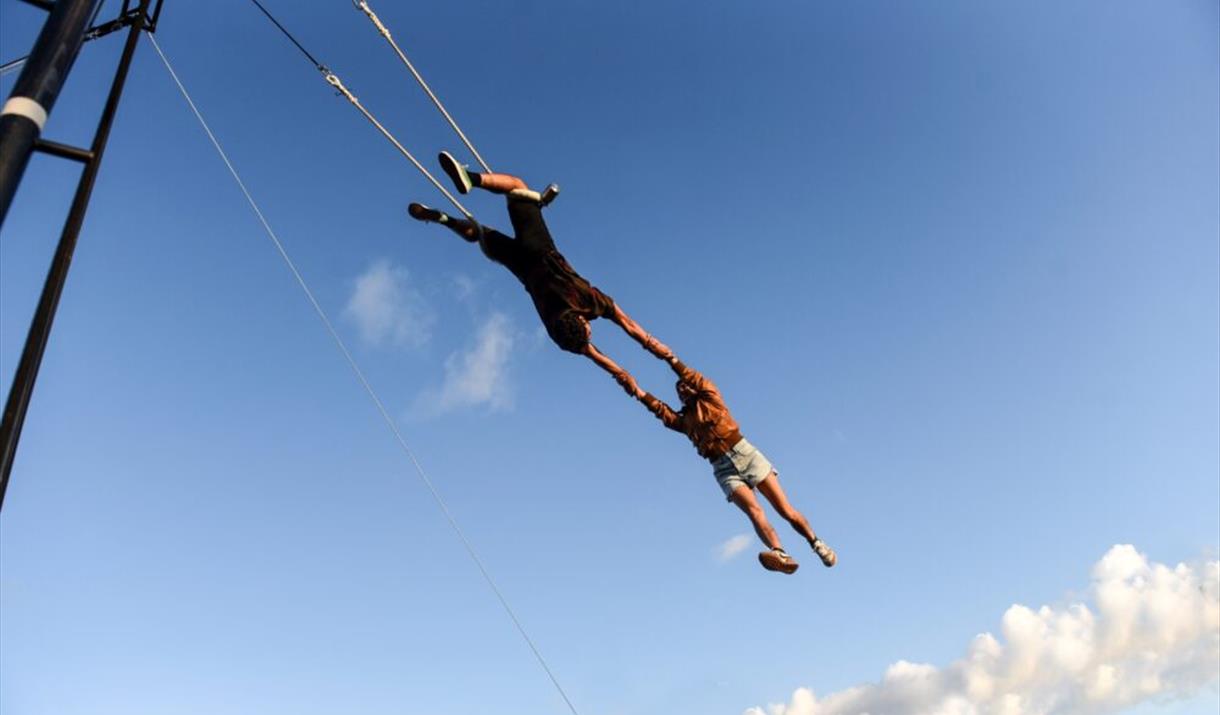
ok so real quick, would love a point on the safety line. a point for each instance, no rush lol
(288, 34)
(96, 13)
(13, 65)
(368, 388)
(363, 6)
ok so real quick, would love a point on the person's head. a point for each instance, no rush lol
(686, 391)
(571, 332)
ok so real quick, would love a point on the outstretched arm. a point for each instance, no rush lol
(656, 406)
(694, 378)
(641, 336)
(621, 376)
(663, 411)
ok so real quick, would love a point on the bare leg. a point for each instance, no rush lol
(498, 183)
(465, 179)
(774, 493)
(513, 186)
(743, 497)
(641, 336)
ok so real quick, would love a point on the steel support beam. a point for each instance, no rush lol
(25, 113)
(18, 401)
(63, 151)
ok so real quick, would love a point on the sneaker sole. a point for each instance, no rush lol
(774, 563)
(424, 213)
(454, 170)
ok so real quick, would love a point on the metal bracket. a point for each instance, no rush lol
(63, 151)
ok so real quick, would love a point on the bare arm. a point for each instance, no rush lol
(621, 376)
(663, 411)
(641, 336)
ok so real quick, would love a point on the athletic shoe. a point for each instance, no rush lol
(419, 212)
(778, 560)
(824, 552)
(457, 172)
(548, 194)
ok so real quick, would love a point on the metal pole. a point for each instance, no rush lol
(40, 329)
(41, 4)
(25, 113)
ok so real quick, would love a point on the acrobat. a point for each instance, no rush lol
(565, 301)
(738, 466)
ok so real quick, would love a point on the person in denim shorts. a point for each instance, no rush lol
(739, 467)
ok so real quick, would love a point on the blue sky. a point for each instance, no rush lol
(954, 266)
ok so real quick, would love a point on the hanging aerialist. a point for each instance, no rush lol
(738, 466)
(565, 301)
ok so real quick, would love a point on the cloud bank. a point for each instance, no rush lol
(388, 310)
(1153, 633)
(477, 375)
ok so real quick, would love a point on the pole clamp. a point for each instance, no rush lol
(28, 108)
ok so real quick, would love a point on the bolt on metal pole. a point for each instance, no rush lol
(40, 329)
(25, 113)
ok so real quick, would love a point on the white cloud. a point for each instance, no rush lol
(733, 546)
(464, 286)
(387, 309)
(476, 376)
(1153, 633)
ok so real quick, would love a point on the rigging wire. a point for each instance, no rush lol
(368, 388)
(96, 13)
(13, 65)
(319, 65)
(333, 80)
(363, 6)
(337, 83)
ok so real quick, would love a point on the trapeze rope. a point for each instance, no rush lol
(363, 6)
(333, 80)
(368, 388)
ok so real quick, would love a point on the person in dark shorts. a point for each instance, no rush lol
(738, 466)
(565, 301)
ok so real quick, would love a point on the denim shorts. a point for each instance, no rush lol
(743, 465)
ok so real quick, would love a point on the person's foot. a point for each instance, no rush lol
(457, 172)
(825, 553)
(778, 560)
(548, 194)
(419, 212)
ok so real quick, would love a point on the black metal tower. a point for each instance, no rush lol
(21, 122)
